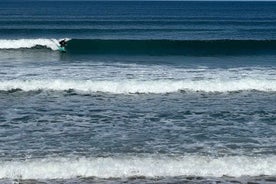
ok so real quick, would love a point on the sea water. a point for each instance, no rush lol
(147, 92)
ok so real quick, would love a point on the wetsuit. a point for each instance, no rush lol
(62, 43)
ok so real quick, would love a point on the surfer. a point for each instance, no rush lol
(61, 46)
(62, 43)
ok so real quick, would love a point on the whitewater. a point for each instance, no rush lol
(130, 87)
(29, 43)
(133, 166)
(147, 92)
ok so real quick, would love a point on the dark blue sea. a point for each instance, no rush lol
(147, 92)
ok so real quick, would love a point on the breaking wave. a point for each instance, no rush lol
(150, 47)
(162, 166)
(134, 86)
(29, 44)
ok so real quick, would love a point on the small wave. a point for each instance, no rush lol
(29, 43)
(134, 86)
(161, 166)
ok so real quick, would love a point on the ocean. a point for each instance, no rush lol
(147, 92)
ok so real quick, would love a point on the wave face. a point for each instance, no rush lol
(134, 86)
(64, 168)
(150, 47)
(172, 47)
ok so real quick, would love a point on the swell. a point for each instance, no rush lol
(134, 22)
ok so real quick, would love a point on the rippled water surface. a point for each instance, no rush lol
(147, 92)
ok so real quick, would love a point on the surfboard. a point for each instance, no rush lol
(61, 49)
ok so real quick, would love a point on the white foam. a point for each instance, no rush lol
(134, 86)
(29, 43)
(161, 166)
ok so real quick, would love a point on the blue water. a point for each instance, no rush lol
(147, 92)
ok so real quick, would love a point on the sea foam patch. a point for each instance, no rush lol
(161, 166)
(29, 43)
(134, 86)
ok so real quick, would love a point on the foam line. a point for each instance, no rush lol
(133, 86)
(162, 166)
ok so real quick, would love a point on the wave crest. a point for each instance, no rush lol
(29, 43)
